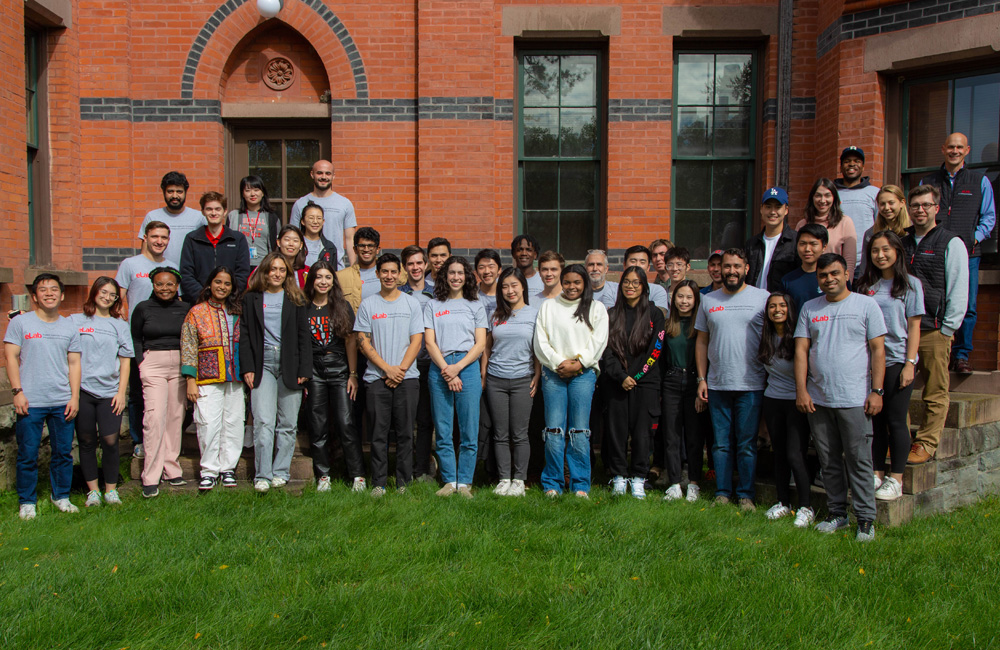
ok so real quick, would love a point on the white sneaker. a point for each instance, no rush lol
(64, 505)
(693, 491)
(277, 482)
(803, 517)
(890, 490)
(359, 484)
(261, 485)
(516, 488)
(93, 499)
(673, 493)
(878, 482)
(112, 499)
(503, 487)
(618, 486)
(27, 511)
(323, 484)
(777, 511)
(378, 492)
(139, 451)
(639, 488)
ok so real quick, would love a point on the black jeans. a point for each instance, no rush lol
(327, 404)
(789, 429)
(392, 408)
(680, 424)
(424, 441)
(96, 417)
(889, 426)
(632, 413)
(509, 401)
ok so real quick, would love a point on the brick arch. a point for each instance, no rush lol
(294, 16)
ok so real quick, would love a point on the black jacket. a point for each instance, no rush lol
(645, 367)
(958, 209)
(784, 260)
(328, 253)
(296, 342)
(199, 257)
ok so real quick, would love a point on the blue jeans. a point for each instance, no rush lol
(962, 347)
(567, 415)
(742, 409)
(29, 438)
(275, 418)
(444, 405)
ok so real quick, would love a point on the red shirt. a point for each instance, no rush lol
(214, 240)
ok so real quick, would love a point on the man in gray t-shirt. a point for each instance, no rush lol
(133, 272)
(338, 211)
(729, 325)
(839, 336)
(181, 220)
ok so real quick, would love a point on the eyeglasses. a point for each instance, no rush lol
(676, 267)
(926, 207)
(366, 247)
(633, 284)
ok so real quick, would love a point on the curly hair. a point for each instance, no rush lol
(470, 290)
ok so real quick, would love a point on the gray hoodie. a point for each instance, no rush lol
(859, 203)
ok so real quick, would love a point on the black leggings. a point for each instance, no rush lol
(96, 415)
(789, 431)
(680, 425)
(889, 426)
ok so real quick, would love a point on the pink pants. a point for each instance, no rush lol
(164, 392)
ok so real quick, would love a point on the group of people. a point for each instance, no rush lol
(516, 366)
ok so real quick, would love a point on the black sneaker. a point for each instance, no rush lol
(150, 491)
(206, 483)
(866, 531)
(176, 482)
(228, 479)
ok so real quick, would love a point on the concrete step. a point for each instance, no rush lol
(189, 442)
(133, 489)
(301, 468)
(965, 410)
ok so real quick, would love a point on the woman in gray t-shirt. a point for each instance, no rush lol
(255, 219)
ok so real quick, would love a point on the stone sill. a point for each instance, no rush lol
(6, 275)
(69, 277)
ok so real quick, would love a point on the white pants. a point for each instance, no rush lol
(219, 415)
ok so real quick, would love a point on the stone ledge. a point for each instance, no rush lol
(68, 276)
(6, 275)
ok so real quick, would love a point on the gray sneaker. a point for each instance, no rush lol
(721, 500)
(139, 451)
(378, 492)
(27, 511)
(832, 524)
(866, 531)
(64, 505)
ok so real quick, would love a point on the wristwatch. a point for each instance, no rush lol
(878, 391)
(699, 379)
(913, 361)
(16, 391)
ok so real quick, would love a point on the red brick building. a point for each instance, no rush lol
(589, 124)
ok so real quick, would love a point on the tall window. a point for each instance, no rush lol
(282, 157)
(33, 43)
(560, 126)
(713, 149)
(936, 107)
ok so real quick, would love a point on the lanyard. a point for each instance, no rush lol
(253, 228)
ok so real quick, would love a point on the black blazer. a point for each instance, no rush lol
(296, 343)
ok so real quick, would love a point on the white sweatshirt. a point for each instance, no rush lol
(560, 336)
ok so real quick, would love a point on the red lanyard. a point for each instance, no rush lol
(253, 228)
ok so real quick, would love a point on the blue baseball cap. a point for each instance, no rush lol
(776, 193)
(852, 151)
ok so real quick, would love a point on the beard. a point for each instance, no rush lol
(733, 285)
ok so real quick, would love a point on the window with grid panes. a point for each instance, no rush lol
(714, 149)
(561, 124)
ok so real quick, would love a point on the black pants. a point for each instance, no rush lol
(392, 408)
(328, 405)
(487, 433)
(630, 413)
(95, 417)
(789, 431)
(424, 441)
(889, 426)
(680, 425)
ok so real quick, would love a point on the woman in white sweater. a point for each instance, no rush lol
(570, 336)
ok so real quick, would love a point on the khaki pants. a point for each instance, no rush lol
(935, 352)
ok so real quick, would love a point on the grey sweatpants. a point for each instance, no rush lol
(843, 439)
(509, 402)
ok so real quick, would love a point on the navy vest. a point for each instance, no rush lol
(960, 203)
(926, 261)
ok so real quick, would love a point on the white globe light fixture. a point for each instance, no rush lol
(269, 8)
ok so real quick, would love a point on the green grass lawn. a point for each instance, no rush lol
(339, 570)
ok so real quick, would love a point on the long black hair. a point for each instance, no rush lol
(786, 346)
(872, 275)
(673, 327)
(629, 344)
(232, 304)
(300, 258)
(341, 314)
(582, 312)
(470, 290)
(257, 183)
(503, 310)
(836, 214)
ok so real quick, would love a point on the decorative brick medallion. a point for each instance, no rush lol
(279, 73)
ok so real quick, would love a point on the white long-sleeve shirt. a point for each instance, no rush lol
(560, 336)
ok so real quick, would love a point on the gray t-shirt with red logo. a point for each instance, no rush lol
(44, 368)
(512, 355)
(102, 342)
(838, 351)
(391, 323)
(895, 312)
(454, 323)
(133, 277)
(734, 323)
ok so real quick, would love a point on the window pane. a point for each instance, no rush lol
(576, 234)
(733, 80)
(695, 73)
(577, 184)
(728, 230)
(578, 81)
(541, 129)
(578, 132)
(929, 123)
(302, 153)
(541, 80)
(691, 230)
(543, 225)
(732, 131)
(694, 132)
(540, 185)
(272, 180)
(299, 183)
(265, 153)
(729, 185)
(692, 185)
(977, 114)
